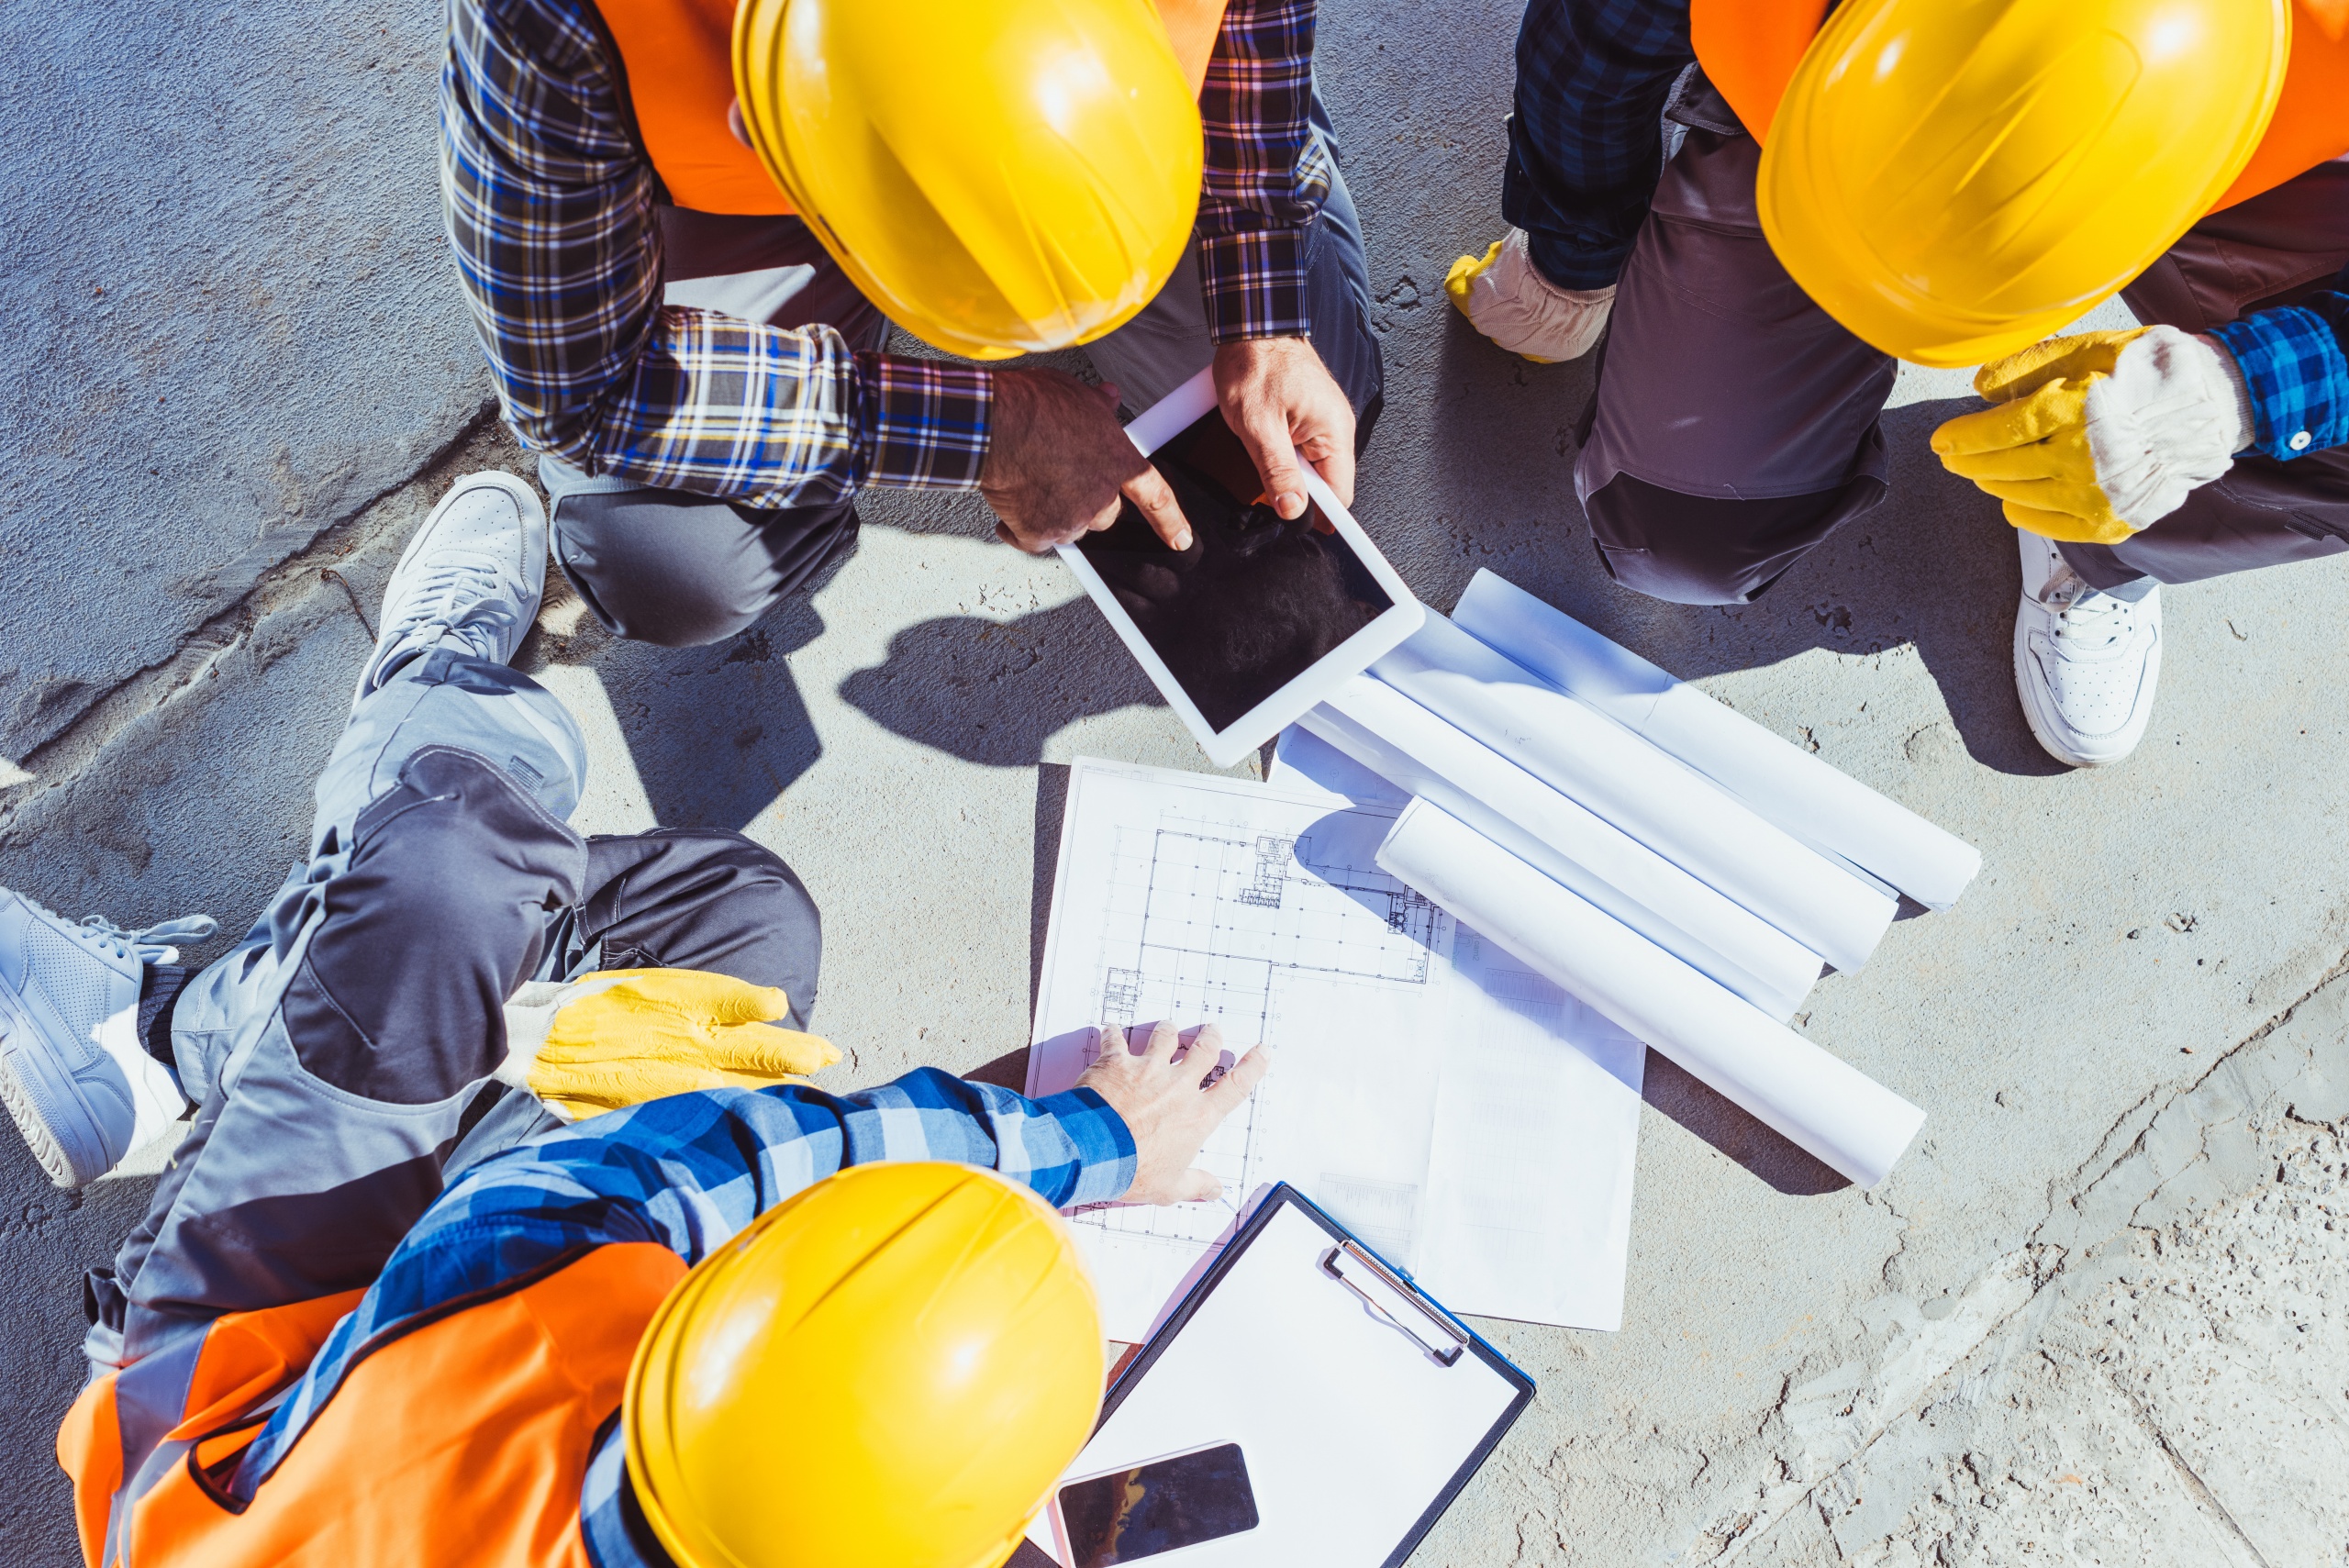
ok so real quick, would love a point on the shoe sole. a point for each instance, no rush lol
(524, 498)
(23, 1105)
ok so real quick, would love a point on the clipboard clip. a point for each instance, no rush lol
(1351, 1266)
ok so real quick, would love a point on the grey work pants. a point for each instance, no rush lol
(1736, 424)
(677, 569)
(339, 1055)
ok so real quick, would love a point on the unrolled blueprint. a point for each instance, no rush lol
(1463, 1114)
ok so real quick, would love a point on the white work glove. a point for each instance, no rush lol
(2169, 418)
(1521, 310)
(2101, 434)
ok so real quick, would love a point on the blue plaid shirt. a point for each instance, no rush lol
(689, 1172)
(548, 204)
(2294, 367)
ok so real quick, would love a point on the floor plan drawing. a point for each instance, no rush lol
(1209, 925)
(1199, 899)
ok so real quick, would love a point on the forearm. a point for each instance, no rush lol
(691, 1171)
(1586, 141)
(1266, 173)
(722, 406)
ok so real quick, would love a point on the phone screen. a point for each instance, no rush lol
(1255, 602)
(1128, 1515)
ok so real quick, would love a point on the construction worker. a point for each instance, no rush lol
(1947, 184)
(685, 227)
(309, 1351)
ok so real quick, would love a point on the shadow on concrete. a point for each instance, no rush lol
(1477, 431)
(1008, 1071)
(994, 691)
(1734, 1131)
(1052, 806)
(715, 733)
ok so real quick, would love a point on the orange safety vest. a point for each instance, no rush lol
(678, 57)
(1750, 49)
(464, 1437)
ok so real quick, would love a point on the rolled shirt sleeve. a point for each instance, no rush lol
(2296, 374)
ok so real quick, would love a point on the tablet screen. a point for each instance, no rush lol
(1255, 602)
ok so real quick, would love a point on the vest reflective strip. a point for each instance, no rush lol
(1750, 49)
(678, 59)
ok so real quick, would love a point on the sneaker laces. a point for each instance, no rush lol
(460, 594)
(158, 943)
(2086, 619)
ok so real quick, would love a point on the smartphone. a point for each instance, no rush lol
(1151, 1509)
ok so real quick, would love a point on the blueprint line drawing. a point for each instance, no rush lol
(1472, 1123)
(1208, 924)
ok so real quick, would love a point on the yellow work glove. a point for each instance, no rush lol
(2099, 434)
(626, 1036)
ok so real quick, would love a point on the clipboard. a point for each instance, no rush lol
(1363, 1408)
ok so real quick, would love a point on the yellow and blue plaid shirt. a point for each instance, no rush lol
(548, 202)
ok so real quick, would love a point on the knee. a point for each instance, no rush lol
(666, 611)
(457, 849)
(1706, 550)
(705, 900)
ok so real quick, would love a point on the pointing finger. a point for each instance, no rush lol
(1154, 498)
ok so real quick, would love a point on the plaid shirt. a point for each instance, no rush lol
(550, 205)
(689, 1172)
(2294, 367)
(1585, 144)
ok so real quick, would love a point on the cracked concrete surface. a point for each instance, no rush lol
(2090, 1319)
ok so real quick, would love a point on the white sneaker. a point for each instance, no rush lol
(471, 578)
(73, 1073)
(2086, 663)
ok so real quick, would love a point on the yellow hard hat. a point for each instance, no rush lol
(1953, 180)
(891, 1368)
(1001, 178)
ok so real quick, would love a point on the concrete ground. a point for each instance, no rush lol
(2093, 1317)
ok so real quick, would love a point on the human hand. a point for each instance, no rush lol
(2100, 433)
(1279, 399)
(1058, 463)
(625, 1036)
(1159, 1094)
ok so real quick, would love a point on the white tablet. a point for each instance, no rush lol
(1261, 618)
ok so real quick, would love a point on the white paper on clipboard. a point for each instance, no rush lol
(1153, 427)
(1350, 1429)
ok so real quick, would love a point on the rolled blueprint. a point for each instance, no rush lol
(1820, 1103)
(1811, 799)
(1396, 738)
(1674, 810)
